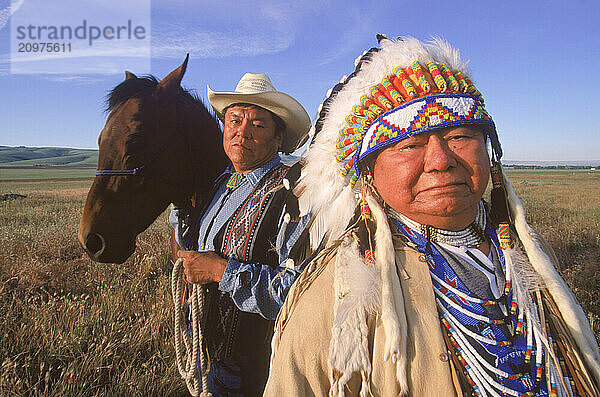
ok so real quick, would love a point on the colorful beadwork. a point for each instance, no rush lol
(420, 115)
(347, 167)
(450, 79)
(462, 84)
(365, 210)
(370, 256)
(379, 98)
(466, 323)
(348, 141)
(437, 76)
(346, 131)
(235, 180)
(404, 82)
(362, 111)
(391, 91)
(472, 90)
(420, 74)
(370, 105)
(340, 157)
(354, 119)
(504, 235)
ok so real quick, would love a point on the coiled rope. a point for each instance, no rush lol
(189, 348)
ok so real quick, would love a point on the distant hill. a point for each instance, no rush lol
(552, 164)
(25, 157)
(22, 156)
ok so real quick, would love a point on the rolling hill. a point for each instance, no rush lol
(39, 157)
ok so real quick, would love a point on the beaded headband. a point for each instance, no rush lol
(409, 101)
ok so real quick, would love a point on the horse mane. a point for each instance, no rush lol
(144, 85)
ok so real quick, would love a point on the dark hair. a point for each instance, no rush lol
(279, 123)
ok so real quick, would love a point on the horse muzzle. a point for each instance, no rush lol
(102, 249)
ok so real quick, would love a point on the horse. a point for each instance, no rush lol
(160, 145)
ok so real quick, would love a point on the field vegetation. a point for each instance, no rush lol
(69, 326)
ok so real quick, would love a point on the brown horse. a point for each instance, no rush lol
(160, 145)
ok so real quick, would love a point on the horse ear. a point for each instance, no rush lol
(173, 80)
(129, 75)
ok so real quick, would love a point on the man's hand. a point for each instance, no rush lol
(202, 267)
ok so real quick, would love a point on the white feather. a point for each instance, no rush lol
(357, 295)
(393, 315)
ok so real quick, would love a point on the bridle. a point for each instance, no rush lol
(139, 171)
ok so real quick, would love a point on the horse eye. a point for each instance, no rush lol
(134, 146)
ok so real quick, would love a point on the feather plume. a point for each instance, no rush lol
(393, 315)
(357, 294)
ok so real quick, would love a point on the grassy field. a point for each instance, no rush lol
(33, 163)
(38, 173)
(73, 327)
(70, 326)
(563, 206)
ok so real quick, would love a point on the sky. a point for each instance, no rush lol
(534, 61)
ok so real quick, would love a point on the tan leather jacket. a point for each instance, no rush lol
(300, 349)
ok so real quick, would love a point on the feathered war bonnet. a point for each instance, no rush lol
(405, 87)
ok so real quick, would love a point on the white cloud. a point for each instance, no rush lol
(63, 78)
(7, 11)
(356, 26)
(225, 29)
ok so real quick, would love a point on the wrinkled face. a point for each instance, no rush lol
(435, 178)
(249, 137)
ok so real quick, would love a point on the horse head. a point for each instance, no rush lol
(159, 145)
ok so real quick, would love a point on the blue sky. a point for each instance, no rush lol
(536, 62)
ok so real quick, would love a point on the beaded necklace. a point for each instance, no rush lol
(495, 353)
(472, 236)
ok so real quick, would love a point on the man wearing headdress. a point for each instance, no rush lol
(240, 244)
(421, 287)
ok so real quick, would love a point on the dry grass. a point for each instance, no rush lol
(69, 326)
(564, 207)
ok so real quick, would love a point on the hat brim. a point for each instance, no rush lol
(292, 113)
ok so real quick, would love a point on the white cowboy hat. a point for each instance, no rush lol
(257, 89)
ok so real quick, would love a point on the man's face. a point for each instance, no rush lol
(249, 137)
(435, 178)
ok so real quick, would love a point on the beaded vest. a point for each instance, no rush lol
(249, 236)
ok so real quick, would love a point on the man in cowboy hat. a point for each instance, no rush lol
(240, 244)
(422, 288)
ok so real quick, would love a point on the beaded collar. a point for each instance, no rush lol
(472, 236)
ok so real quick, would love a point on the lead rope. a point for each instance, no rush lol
(188, 365)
